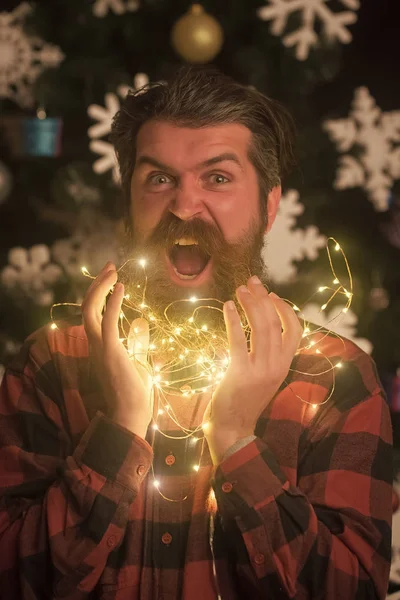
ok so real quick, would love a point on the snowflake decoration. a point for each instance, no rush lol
(284, 244)
(94, 242)
(22, 57)
(32, 273)
(104, 116)
(333, 23)
(342, 323)
(376, 133)
(119, 7)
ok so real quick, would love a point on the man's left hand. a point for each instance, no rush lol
(252, 378)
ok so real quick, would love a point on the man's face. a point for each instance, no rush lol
(195, 209)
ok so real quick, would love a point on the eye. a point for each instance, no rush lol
(159, 179)
(218, 178)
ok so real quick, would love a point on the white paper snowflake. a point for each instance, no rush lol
(344, 324)
(93, 244)
(119, 7)
(375, 135)
(104, 115)
(334, 24)
(22, 57)
(32, 273)
(285, 244)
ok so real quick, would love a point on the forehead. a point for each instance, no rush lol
(173, 143)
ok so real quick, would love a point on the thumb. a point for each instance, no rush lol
(138, 339)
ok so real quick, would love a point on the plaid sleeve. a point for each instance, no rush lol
(327, 532)
(60, 515)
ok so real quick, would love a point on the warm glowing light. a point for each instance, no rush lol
(206, 426)
(345, 310)
(323, 307)
(196, 467)
(142, 262)
(339, 365)
(336, 281)
(337, 247)
(322, 288)
(143, 305)
(204, 327)
(296, 308)
(160, 411)
(156, 483)
(127, 296)
(84, 271)
(314, 405)
(53, 326)
(193, 299)
(155, 426)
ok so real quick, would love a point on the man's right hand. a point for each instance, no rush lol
(125, 381)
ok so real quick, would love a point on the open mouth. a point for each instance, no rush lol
(188, 259)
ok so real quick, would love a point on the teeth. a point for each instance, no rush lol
(186, 241)
(184, 276)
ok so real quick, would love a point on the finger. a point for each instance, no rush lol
(94, 303)
(107, 267)
(236, 336)
(111, 316)
(292, 328)
(139, 339)
(266, 330)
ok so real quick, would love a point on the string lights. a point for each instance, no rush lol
(188, 356)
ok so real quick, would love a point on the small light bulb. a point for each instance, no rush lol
(155, 426)
(53, 326)
(337, 247)
(339, 365)
(296, 308)
(318, 351)
(345, 310)
(314, 405)
(142, 262)
(121, 315)
(160, 411)
(196, 467)
(84, 271)
(193, 299)
(127, 296)
(156, 483)
(204, 327)
(205, 426)
(323, 307)
(336, 281)
(143, 305)
(191, 320)
(322, 288)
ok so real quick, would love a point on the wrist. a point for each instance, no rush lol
(134, 425)
(220, 441)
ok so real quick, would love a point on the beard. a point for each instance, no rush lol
(232, 265)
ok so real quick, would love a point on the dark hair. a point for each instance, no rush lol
(200, 97)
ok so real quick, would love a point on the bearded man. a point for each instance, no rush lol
(291, 494)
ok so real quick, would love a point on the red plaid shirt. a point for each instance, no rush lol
(303, 511)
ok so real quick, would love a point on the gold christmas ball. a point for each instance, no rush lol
(197, 37)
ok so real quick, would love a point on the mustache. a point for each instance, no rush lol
(209, 237)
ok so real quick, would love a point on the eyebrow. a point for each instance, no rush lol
(225, 156)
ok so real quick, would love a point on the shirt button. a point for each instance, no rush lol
(166, 538)
(170, 460)
(141, 469)
(259, 559)
(111, 541)
(227, 487)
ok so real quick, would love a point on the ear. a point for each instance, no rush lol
(272, 205)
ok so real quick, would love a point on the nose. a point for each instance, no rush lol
(187, 202)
